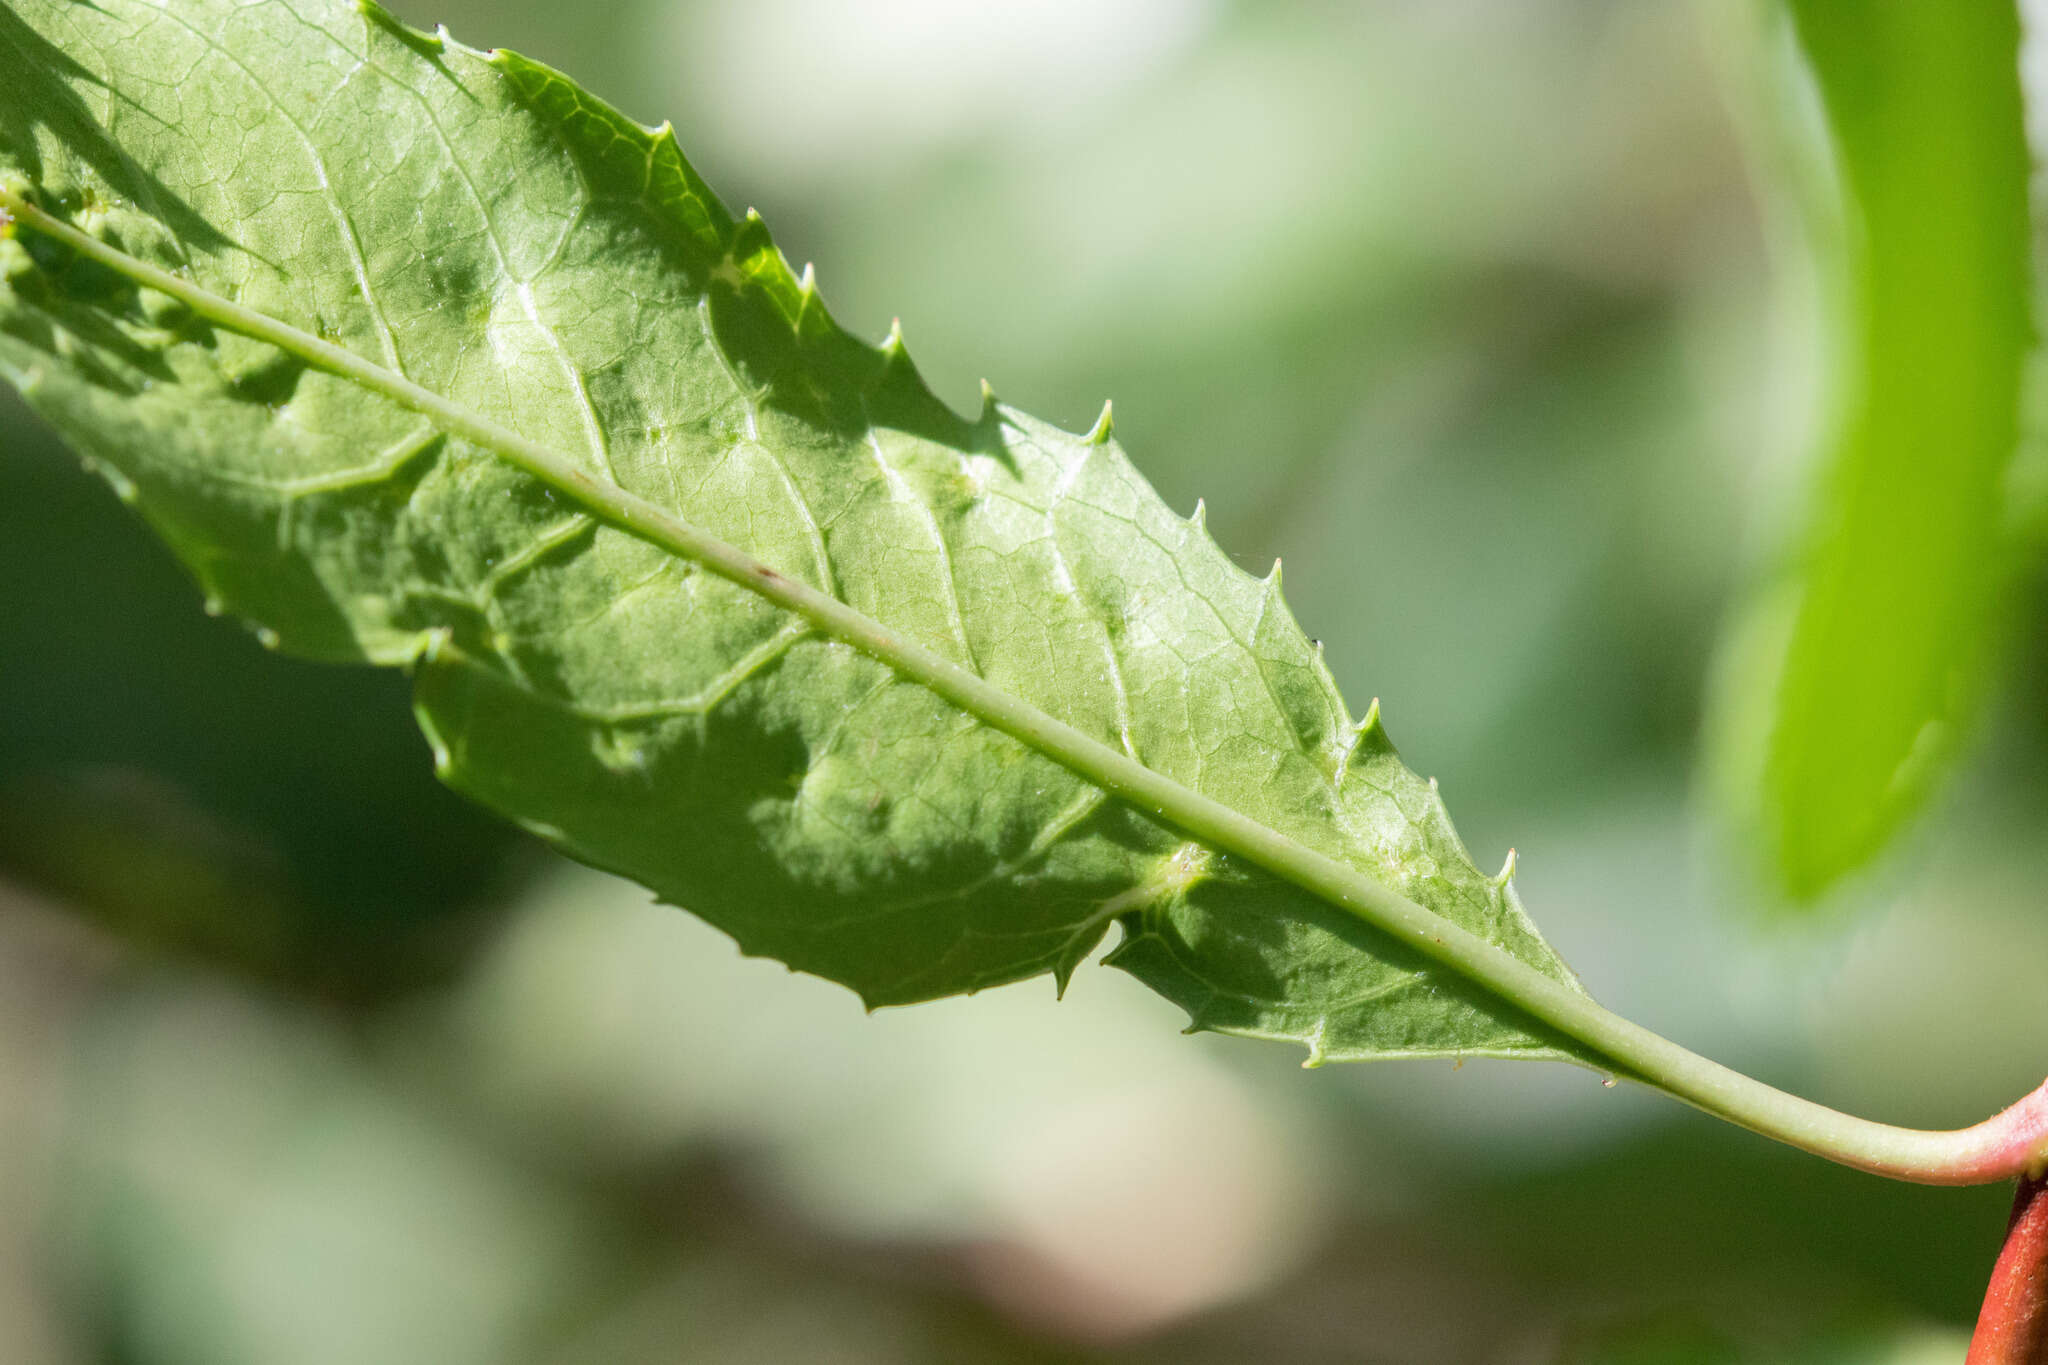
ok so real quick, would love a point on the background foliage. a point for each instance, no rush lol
(1472, 311)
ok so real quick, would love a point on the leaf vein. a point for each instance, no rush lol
(344, 225)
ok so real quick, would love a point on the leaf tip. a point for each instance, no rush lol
(893, 345)
(1199, 518)
(1104, 425)
(1507, 871)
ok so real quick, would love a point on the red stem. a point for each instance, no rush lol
(2013, 1328)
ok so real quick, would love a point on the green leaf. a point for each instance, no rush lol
(525, 384)
(1897, 593)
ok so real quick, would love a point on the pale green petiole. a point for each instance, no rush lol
(2010, 1143)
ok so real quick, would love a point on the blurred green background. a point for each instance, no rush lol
(1488, 316)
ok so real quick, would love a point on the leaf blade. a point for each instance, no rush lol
(667, 722)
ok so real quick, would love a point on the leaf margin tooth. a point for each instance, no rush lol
(1105, 426)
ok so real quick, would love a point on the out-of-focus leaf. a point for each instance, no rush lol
(482, 227)
(1896, 594)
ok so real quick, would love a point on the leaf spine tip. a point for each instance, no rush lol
(1272, 579)
(1507, 871)
(1363, 729)
(808, 282)
(988, 398)
(892, 344)
(1199, 518)
(1104, 425)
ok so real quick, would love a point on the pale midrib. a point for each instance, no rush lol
(1993, 1150)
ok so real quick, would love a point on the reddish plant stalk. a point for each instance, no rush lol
(2012, 1329)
